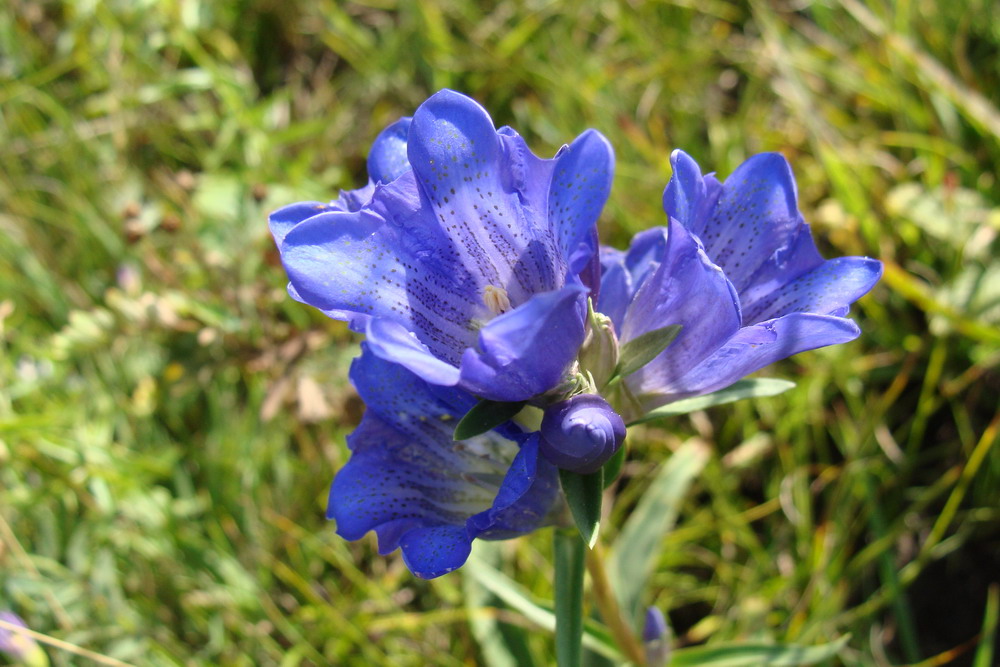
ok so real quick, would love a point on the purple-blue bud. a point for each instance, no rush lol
(581, 433)
(656, 638)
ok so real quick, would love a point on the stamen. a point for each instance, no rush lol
(496, 299)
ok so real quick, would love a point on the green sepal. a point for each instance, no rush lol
(750, 388)
(583, 495)
(613, 467)
(639, 351)
(485, 416)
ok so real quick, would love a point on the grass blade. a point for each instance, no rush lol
(633, 553)
(987, 645)
(595, 635)
(750, 655)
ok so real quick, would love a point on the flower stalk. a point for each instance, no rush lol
(604, 598)
(569, 556)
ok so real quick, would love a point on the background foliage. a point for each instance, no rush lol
(170, 420)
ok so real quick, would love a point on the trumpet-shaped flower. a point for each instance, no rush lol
(462, 259)
(418, 489)
(737, 268)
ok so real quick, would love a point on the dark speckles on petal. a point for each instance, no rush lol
(787, 298)
(418, 489)
(475, 208)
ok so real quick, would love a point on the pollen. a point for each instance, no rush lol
(496, 299)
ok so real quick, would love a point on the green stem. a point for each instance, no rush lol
(569, 597)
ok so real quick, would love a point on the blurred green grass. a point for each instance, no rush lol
(170, 420)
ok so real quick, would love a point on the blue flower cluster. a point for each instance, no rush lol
(469, 263)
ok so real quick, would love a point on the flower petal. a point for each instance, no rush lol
(354, 200)
(756, 213)
(387, 159)
(753, 348)
(526, 351)
(358, 264)
(685, 192)
(417, 488)
(828, 289)
(392, 342)
(625, 272)
(285, 218)
(616, 287)
(522, 504)
(580, 187)
(467, 185)
(689, 290)
(524, 499)
(435, 550)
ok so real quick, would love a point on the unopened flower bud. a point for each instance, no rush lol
(599, 354)
(581, 433)
(656, 638)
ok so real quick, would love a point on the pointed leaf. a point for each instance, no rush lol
(752, 655)
(485, 416)
(583, 495)
(613, 467)
(988, 634)
(500, 644)
(596, 637)
(633, 553)
(641, 350)
(749, 388)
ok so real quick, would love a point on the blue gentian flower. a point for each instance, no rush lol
(737, 268)
(468, 262)
(466, 259)
(418, 489)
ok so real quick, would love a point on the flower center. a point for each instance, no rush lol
(496, 299)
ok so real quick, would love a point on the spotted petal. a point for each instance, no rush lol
(753, 348)
(625, 272)
(387, 159)
(754, 215)
(828, 288)
(418, 489)
(476, 215)
(686, 289)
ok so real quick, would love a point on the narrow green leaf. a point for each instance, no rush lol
(640, 351)
(614, 467)
(485, 416)
(749, 388)
(501, 644)
(987, 645)
(596, 637)
(568, 550)
(583, 495)
(634, 552)
(753, 655)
